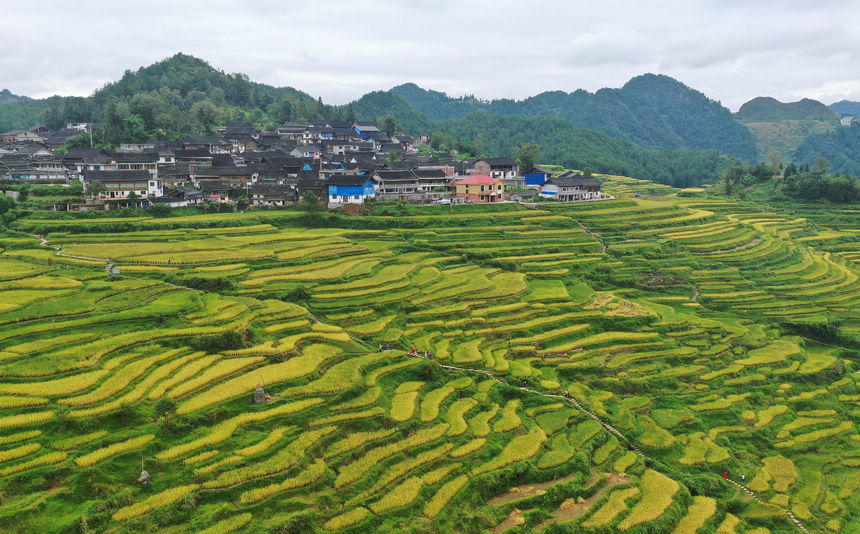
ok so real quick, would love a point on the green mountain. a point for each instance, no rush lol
(846, 107)
(571, 146)
(6, 97)
(765, 108)
(841, 147)
(178, 95)
(651, 110)
(378, 104)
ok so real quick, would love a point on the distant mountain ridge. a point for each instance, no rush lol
(6, 96)
(651, 110)
(846, 107)
(765, 108)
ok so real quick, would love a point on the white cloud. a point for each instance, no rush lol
(731, 50)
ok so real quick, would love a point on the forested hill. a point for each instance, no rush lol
(178, 95)
(565, 144)
(6, 96)
(765, 108)
(840, 147)
(651, 110)
(846, 107)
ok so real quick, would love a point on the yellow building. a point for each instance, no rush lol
(481, 188)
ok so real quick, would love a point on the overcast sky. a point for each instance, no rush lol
(731, 50)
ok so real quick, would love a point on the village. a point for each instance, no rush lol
(341, 163)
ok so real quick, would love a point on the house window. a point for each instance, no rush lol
(482, 197)
(482, 188)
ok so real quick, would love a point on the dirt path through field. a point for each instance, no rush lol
(526, 490)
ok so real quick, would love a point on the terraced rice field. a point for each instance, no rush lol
(415, 370)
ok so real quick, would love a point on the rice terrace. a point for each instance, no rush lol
(662, 362)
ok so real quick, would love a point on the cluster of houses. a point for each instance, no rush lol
(343, 163)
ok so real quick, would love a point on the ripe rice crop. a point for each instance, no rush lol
(159, 500)
(264, 444)
(220, 370)
(480, 423)
(371, 377)
(509, 419)
(365, 399)
(20, 436)
(104, 453)
(776, 352)
(560, 452)
(399, 496)
(187, 371)
(42, 345)
(468, 448)
(605, 450)
(729, 525)
(314, 472)
(349, 416)
(657, 493)
(431, 402)
(58, 387)
(624, 463)
(211, 468)
(19, 452)
(697, 514)
(281, 461)
(228, 525)
(45, 459)
(611, 508)
(520, 448)
(200, 458)
(398, 470)
(444, 495)
(844, 426)
(468, 352)
(354, 441)
(24, 419)
(721, 403)
(764, 417)
(76, 441)
(653, 435)
(14, 401)
(403, 405)
(291, 369)
(455, 415)
(338, 377)
(346, 519)
(778, 469)
(603, 337)
(373, 327)
(435, 476)
(353, 471)
(225, 429)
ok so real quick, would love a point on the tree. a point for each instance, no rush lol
(389, 125)
(309, 203)
(206, 113)
(528, 155)
(436, 140)
(94, 189)
(820, 165)
(774, 160)
(587, 171)
(790, 169)
(164, 408)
